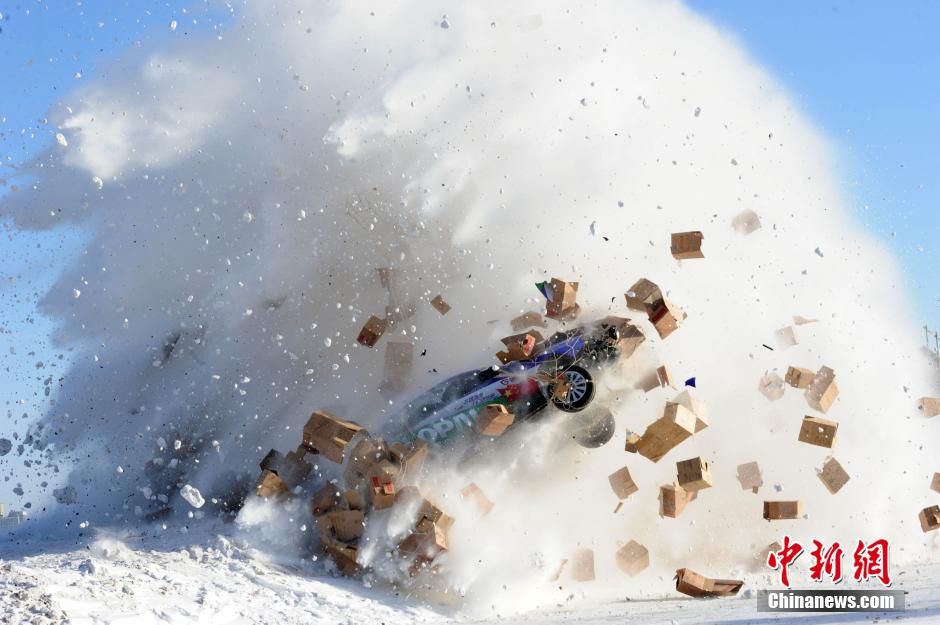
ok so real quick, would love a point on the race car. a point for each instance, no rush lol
(448, 411)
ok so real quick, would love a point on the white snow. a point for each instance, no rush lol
(192, 495)
(207, 575)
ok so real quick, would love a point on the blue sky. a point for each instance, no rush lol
(866, 73)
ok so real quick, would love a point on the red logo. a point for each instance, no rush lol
(870, 561)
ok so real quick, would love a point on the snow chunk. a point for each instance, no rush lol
(192, 495)
(61, 140)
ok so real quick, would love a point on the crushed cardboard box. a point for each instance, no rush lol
(930, 519)
(785, 337)
(687, 245)
(528, 320)
(833, 476)
(372, 331)
(645, 296)
(930, 406)
(798, 377)
(781, 510)
(820, 432)
(750, 477)
(582, 565)
(562, 305)
(632, 558)
(696, 405)
(694, 474)
(690, 583)
(521, 346)
(622, 483)
(270, 485)
(440, 305)
(822, 392)
(935, 483)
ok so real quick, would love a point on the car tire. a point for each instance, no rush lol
(581, 392)
(597, 433)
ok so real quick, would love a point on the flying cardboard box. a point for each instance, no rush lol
(326, 498)
(785, 337)
(690, 583)
(687, 245)
(527, 320)
(930, 518)
(664, 377)
(749, 475)
(632, 558)
(582, 565)
(622, 483)
(673, 499)
(816, 431)
(479, 499)
(780, 510)
(372, 331)
(694, 474)
(833, 476)
(676, 425)
(343, 525)
(930, 406)
(935, 484)
(798, 377)
(564, 294)
(440, 305)
(411, 458)
(644, 296)
(696, 405)
(327, 434)
(494, 419)
(632, 440)
(270, 485)
(665, 318)
(822, 391)
(343, 555)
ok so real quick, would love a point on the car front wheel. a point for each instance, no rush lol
(579, 393)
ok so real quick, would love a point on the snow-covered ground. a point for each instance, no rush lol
(209, 576)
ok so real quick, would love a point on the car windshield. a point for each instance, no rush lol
(448, 391)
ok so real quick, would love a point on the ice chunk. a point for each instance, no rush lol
(192, 495)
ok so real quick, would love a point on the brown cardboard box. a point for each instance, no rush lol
(553, 311)
(630, 335)
(632, 440)
(494, 419)
(427, 541)
(833, 476)
(354, 500)
(632, 558)
(582, 565)
(395, 312)
(771, 386)
(798, 377)
(785, 337)
(382, 500)
(478, 497)
(649, 382)
(690, 583)
(816, 431)
(930, 518)
(644, 296)
(344, 556)
(687, 245)
(673, 499)
(666, 318)
(935, 484)
(527, 320)
(745, 222)
(409, 459)
(372, 331)
(361, 459)
(749, 474)
(622, 483)
(325, 499)
(564, 294)
(676, 425)
(823, 390)
(344, 525)
(930, 406)
(694, 474)
(273, 461)
(440, 305)
(329, 435)
(270, 485)
(780, 510)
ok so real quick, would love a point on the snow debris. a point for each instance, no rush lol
(192, 495)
